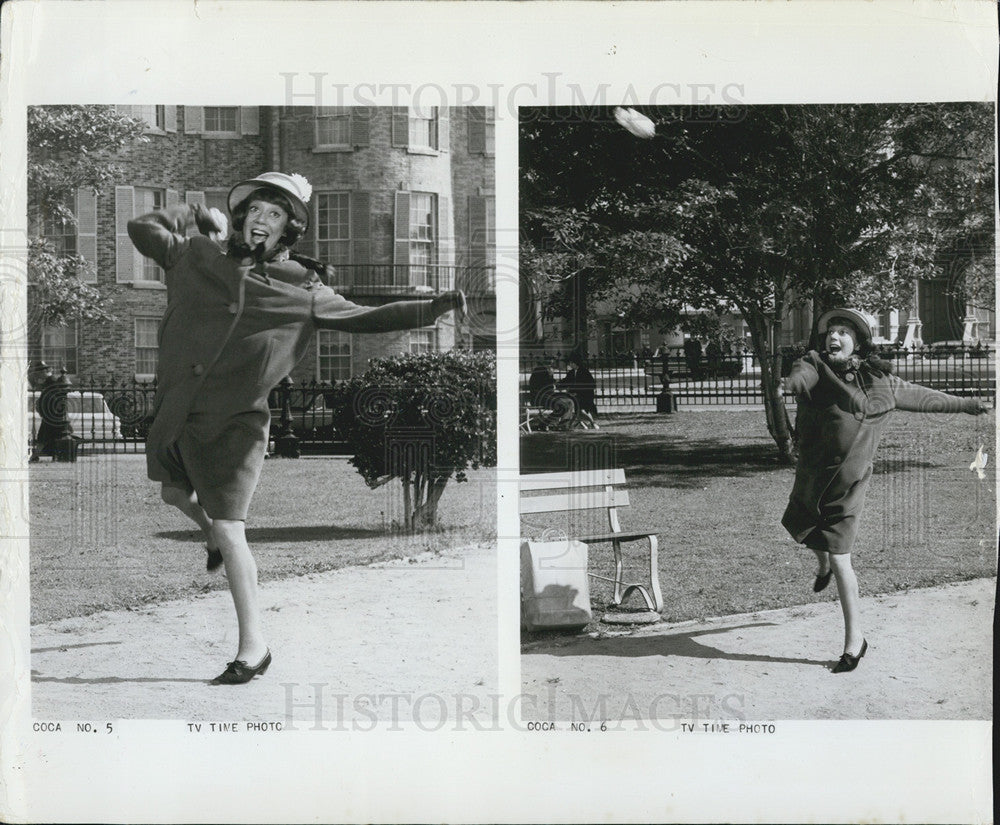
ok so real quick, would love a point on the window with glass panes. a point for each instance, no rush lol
(61, 234)
(333, 126)
(146, 345)
(221, 119)
(333, 227)
(153, 115)
(422, 235)
(148, 200)
(423, 127)
(423, 340)
(59, 347)
(333, 355)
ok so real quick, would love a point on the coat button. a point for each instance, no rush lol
(233, 309)
(198, 369)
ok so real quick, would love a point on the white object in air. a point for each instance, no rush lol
(979, 463)
(636, 122)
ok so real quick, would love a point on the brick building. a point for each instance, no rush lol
(402, 206)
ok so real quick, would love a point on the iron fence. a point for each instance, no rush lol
(732, 377)
(115, 415)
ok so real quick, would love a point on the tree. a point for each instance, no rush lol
(69, 148)
(422, 419)
(757, 209)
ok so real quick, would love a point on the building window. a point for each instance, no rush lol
(333, 127)
(61, 234)
(59, 348)
(154, 116)
(146, 345)
(489, 132)
(423, 340)
(333, 227)
(333, 355)
(422, 237)
(423, 128)
(148, 200)
(222, 120)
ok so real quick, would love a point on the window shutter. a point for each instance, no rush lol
(400, 126)
(361, 221)
(191, 198)
(194, 120)
(401, 238)
(477, 130)
(170, 118)
(445, 243)
(477, 231)
(443, 129)
(306, 128)
(125, 252)
(172, 198)
(361, 126)
(86, 231)
(249, 120)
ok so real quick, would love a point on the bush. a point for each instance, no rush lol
(421, 419)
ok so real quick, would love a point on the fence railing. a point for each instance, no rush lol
(733, 377)
(414, 278)
(115, 415)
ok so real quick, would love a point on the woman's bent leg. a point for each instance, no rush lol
(823, 559)
(241, 571)
(850, 601)
(187, 502)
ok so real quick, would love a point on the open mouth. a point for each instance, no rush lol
(258, 236)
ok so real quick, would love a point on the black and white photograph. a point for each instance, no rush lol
(458, 411)
(758, 382)
(263, 407)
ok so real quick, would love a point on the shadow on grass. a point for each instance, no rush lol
(316, 532)
(673, 644)
(660, 461)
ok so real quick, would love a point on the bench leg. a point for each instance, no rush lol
(652, 597)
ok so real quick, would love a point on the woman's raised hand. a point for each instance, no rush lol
(450, 300)
(211, 222)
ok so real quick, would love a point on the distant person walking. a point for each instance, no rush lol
(237, 321)
(846, 396)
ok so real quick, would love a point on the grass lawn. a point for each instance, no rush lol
(710, 484)
(102, 539)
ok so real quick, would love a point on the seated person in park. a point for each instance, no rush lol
(581, 385)
(559, 409)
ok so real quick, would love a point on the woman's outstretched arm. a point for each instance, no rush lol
(914, 398)
(160, 235)
(333, 311)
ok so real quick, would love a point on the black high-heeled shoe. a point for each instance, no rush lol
(848, 662)
(822, 581)
(239, 672)
(214, 561)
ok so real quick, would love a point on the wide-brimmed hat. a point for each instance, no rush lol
(294, 187)
(862, 323)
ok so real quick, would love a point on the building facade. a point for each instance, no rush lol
(402, 207)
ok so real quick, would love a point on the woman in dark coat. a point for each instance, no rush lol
(846, 396)
(581, 384)
(237, 321)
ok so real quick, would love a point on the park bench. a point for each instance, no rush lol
(596, 490)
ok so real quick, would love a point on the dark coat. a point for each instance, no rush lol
(841, 418)
(231, 331)
(582, 385)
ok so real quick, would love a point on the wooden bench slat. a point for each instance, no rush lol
(629, 536)
(574, 501)
(579, 478)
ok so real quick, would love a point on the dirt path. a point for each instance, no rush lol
(393, 640)
(930, 657)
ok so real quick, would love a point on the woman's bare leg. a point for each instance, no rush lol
(241, 571)
(850, 601)
(188, 504)
(823, 558)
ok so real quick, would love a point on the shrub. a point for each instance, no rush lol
(421, 419)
